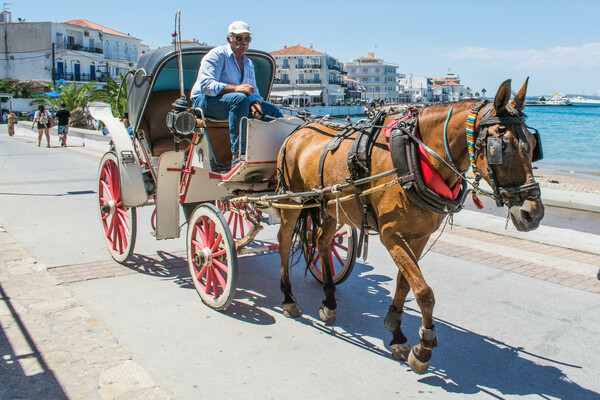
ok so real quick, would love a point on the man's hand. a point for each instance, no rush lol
(248, 90)
(256, 110)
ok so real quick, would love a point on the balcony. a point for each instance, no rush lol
(78, 47)
(308, 66)
(281, 82)
(335, 67)
(81, 77)
(308, 81)
(336, 82)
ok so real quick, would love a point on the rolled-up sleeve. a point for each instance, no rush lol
(210, 73)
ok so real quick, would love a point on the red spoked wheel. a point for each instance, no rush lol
(119, 223)
(342, 256)
(211, 256)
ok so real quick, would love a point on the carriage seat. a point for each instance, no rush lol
(154, 125)
(160, 139)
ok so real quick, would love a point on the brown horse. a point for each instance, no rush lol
(405, 227)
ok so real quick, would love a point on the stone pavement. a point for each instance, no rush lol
(53, 348)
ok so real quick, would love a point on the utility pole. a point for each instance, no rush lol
(53, 63)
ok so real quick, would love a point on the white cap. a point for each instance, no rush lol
(238, 27)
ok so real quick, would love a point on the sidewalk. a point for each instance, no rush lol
(52, 347)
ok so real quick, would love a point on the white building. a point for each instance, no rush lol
(379, 78)
(307, 77)
(416, 89)
(448, 89)
(77, 50)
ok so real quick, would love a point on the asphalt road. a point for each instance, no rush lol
(502, 335)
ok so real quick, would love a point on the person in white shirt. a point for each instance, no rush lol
(226, 87)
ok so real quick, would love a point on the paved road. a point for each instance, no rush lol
(514, 318)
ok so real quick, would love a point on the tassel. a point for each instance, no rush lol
(477, 202)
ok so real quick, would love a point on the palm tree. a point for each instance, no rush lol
(74, 96)
(111, 91)
(483, 92)
(71, 95)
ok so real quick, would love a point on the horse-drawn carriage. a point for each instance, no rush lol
(178, 158)
(312, 175)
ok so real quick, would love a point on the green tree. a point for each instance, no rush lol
(110, 91)
(483, 92)
(476, 94)
(72, 95)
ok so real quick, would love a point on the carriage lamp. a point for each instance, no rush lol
(181, 122)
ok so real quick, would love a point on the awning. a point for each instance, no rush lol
(295, 93)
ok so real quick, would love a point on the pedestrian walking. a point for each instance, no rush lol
(11, 119)
(64, 117)
(44, 120)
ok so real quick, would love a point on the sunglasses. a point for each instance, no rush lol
(240, 39)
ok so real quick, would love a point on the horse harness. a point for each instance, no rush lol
(511, 196)
(404, 141)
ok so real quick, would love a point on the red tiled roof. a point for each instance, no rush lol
(296, 50)
(92, 25)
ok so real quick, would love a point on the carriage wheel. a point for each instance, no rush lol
(211, 256)
(342, 256)
(119, 225)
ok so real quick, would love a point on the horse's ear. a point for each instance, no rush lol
(519, 100)
(502, 97)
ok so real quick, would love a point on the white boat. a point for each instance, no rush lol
(558, 100)
(584, 101)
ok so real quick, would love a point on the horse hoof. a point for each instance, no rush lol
(400, 351)
(327, 315)
(291, 310)
(419, 367)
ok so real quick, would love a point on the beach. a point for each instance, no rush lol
(571, 181)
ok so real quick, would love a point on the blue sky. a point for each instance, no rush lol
(555, 43)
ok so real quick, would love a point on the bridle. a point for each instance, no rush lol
(509, 195)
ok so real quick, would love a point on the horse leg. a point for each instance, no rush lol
(286, 231)
(405, 259)
(393, 320)
(325, 234)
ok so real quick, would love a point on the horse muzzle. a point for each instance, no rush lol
(527, 216)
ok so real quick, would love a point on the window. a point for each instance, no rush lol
(286, 63)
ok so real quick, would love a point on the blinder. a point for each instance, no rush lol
(494, 150)
(538, 153)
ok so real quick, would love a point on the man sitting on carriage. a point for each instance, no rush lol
(226, 87)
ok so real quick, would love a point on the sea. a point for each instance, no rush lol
(570, 139)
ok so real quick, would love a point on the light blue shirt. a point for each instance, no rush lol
(218, 69)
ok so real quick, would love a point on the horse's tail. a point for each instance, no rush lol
(304, 237)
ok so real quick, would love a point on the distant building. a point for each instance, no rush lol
(75, 50)
(438, 90)
(448, 89)
(307, 77)
(379, 78)
(415, 89)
